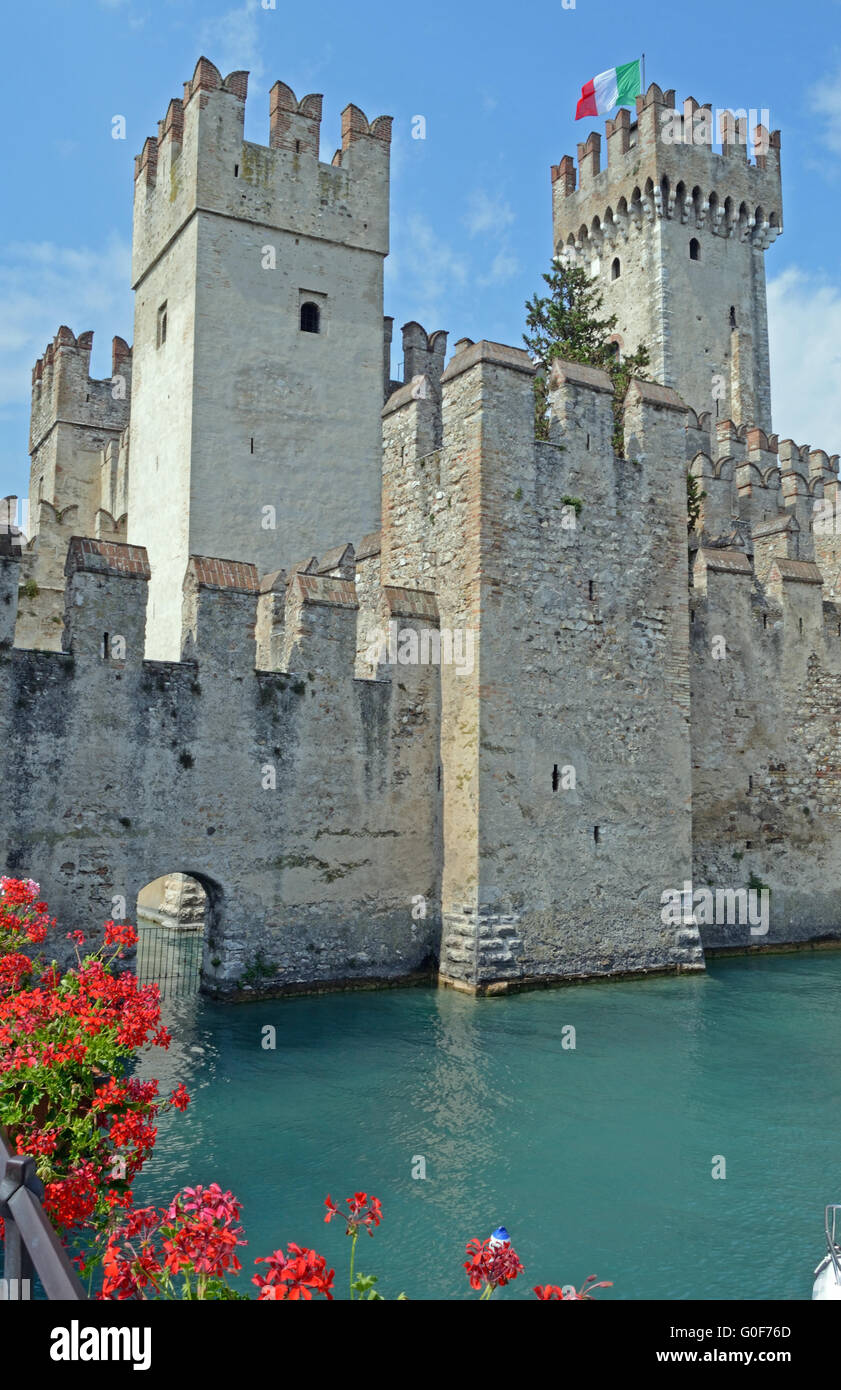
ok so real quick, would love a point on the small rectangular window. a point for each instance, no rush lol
(162, 325)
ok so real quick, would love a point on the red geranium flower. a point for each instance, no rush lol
(549, 1293)
(179, 1098)
(362, 1211)
(491, 1264)
(296, 1275)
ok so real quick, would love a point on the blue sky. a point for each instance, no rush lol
(471, 209)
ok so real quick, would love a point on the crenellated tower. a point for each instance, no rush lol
(74, 418)
(675, 233)
(258, 344)
(78, 444)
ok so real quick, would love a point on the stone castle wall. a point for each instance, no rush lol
(487, 738)
(512, 815)
(766, 661)
(567, 565)
(304, 801)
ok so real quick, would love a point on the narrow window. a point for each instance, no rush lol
(748, 844)
(588, 442)
(297, 147)
(555, 778)
(592, 588)
(439, 777)
(694, 249)
(310, 317)
(732, 316)
(750, 784)
(162, 325)
(252, 445)
(105, 646)
(615, 269)
(596, 834)
(692, 617)
(800, 621)
(765, 621)
(236, 171)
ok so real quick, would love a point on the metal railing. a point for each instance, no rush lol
(31, 1243)
(831, 1241)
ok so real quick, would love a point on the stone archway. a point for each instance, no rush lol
(175, 916)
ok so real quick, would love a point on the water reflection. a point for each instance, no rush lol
(597, 1158)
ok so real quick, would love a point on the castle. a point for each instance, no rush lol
(405, 689)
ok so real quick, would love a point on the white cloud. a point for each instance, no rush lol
(425, 270)
(43, 285)
(504, 267)
(804, 328)
(232, 40)
(825, 101)
(487, 215)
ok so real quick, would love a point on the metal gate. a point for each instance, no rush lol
(169, 957)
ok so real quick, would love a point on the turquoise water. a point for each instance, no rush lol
(598, 1160)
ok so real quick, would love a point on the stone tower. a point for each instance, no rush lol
(258, 339)
(74, 419)
(675, 233)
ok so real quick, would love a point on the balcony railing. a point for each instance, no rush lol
(31, 1244)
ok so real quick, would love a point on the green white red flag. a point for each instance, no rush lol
(616, 87)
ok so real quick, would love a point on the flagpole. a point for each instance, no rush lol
(643, 74)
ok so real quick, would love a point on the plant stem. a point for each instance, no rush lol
(353, 1241)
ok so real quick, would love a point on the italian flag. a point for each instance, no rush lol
(616, 87)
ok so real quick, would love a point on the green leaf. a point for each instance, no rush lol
(363, 1284)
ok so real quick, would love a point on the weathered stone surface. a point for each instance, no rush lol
(489, 736)
(635, 224)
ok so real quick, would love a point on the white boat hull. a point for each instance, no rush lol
(826, 1285)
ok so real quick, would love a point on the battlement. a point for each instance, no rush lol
(88, 556)
(774, 595)
(64, 391)
(423, 353)
(758, 483)
(199, 162)
(233, 622)
(663, 165)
